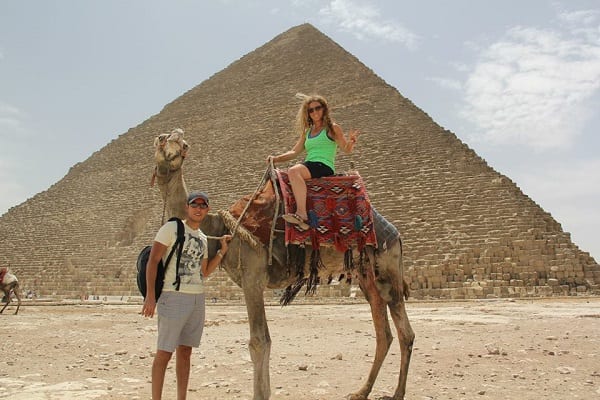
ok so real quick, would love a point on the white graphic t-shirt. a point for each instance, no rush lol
(195, 249)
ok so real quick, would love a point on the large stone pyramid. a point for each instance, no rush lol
(467, 230)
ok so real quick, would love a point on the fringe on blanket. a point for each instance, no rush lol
(291, 291)
(297, 259)
(315, 265)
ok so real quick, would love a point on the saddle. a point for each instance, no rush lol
(340, 213)
(258, 217)
(340, 216)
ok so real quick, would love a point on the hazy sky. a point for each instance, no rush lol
(518, 81)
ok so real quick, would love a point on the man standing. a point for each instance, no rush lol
(180, 312)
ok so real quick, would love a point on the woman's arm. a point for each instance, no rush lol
(291, 154)
(346, 145)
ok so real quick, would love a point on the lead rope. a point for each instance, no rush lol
(237, 224)
(239, 220)
(258, 189)
(273, 176)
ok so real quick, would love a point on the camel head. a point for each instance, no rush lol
(170, 151)
(169, 154)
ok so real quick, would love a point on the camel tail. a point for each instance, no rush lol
(405, 285)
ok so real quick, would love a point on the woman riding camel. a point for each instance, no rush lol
(320, 137)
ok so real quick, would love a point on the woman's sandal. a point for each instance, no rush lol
(296, 220)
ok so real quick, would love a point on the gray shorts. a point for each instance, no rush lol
(180, 320)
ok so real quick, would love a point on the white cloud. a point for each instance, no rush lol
(446, 83)
(8, 109)
(366, 22)
(535, 87)
(584, 18)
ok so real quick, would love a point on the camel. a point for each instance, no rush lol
(248, 265)
(9, 283)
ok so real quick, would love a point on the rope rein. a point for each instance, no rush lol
(273, 177)
(260, 186)
(258, 189)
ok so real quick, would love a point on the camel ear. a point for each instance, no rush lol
(161, 139)
(186, 146)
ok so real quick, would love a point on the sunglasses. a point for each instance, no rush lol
(317, 108)
(198, 205)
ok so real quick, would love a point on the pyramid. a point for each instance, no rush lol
(468, 231)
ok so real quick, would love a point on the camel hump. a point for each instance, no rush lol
(258, 217)
(6, 277)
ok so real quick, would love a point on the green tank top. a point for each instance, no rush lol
(320, 149)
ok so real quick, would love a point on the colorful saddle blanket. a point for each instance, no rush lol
(339, 209)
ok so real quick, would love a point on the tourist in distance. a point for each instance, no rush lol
(320, 137)
(180, 312)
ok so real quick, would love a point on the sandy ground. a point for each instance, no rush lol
(500, 349)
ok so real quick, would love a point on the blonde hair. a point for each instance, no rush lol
(303, 119)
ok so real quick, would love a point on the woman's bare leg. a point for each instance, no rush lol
(298, 174)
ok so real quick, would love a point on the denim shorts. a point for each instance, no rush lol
(180, 320)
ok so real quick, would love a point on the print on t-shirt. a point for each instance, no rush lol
(191, 260)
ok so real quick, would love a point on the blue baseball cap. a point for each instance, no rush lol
(197, 195)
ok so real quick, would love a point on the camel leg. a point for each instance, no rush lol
(383, 333)
(406, 338)
(7, 295)
(260, 340)
(18, 296)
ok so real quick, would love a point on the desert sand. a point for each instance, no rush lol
(493, 349)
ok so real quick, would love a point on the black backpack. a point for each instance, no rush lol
(144, 255)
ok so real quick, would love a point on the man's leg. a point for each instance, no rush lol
(159, 368)
(182, 368)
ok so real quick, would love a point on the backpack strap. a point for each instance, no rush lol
(169, 257)
(179, 246)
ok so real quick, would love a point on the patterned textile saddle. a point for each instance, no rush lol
(339, 213)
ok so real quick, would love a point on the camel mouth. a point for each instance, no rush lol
(170, 157)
